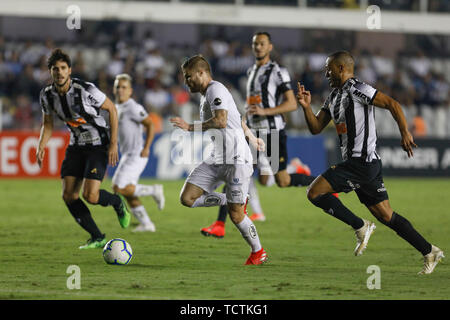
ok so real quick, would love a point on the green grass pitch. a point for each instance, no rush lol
(311, 253)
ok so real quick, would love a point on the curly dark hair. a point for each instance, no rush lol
(58, 55)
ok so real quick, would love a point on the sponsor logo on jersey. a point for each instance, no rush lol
(217, 101)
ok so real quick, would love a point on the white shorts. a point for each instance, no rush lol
(129, 170)
(236, 176)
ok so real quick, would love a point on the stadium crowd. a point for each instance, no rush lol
(418, 79)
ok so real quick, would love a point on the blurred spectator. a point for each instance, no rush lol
(419, 83)
(158, 100)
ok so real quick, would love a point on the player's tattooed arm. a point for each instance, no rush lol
(46, 133)
(384, 101)
(218, 121)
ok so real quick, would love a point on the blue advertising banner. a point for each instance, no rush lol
(167, 161)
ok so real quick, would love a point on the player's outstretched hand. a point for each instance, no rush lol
(303, 96)
(408, 144)
(179, 123)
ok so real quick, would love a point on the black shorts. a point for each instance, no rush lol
(85, 162)
(363, 177)
(280, 143)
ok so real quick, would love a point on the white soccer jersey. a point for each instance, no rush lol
(131, 114)
(352, 111)
(79, 109)
(230, 146)
(265, 87)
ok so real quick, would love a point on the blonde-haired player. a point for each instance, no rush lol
(134, 153)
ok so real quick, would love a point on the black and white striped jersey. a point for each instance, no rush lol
(79, 109)
(352, 111)
(265, 87)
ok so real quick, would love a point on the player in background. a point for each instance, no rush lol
(133, 118)
(269, 95)
(231, 159)
(93, 144)
(351, 106)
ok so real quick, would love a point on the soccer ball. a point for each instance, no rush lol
(117, 251)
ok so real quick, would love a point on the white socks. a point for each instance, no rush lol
(141, 214)
(248, 231)
(254, 198)
(210, 200)
(144, 190)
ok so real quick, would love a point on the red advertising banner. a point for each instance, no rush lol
(18, 154)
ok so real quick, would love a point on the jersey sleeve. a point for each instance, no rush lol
(94, 96)
(44, 103)
(363, 93)
(218, 97)
(326, 105)
(283, 80)
(139, 113)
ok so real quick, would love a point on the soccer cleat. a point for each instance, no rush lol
(363, 235)
(217, 229)
(158, 196)
(94, 243)
(123, 214)
(258, 257)
(258, 217)
(300, 167)
(431, 260)
(150, 227)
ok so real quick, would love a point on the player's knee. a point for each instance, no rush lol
(312, 195)
(282, 183)
(186, 200)
(90, 197)
(69, 197)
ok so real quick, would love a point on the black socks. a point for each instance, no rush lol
(405, 230)
(106, 198)
(333, 206)
(83, 217)
(298, 179)
(223, 210)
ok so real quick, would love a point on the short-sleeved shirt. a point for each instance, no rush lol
(79, 109)
(131, 114)
(352, 111)
(266, 85)
(230, 146)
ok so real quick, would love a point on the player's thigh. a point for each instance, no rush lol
(71, 187)
(96, 163)
(318, 187)
(129, 170)
(237, 177)
(91, 190)
(282, 178)
(205, 177)
(73, 163)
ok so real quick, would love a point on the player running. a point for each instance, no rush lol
(351, 106)
(269, 95)
(134, 153)
(93, 144)
(230, 161)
